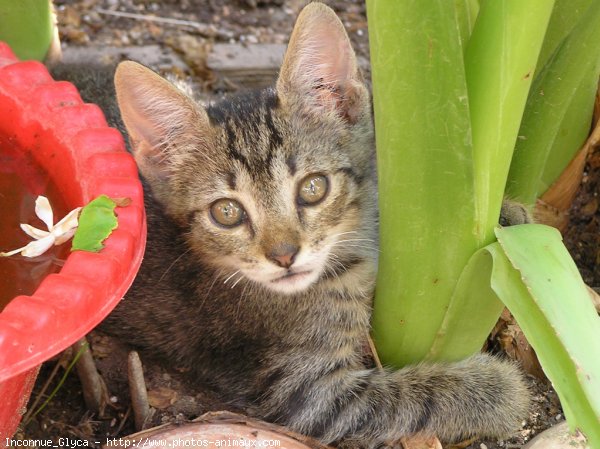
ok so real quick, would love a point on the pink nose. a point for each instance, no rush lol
(283, 254)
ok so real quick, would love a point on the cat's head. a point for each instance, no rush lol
(275, 186)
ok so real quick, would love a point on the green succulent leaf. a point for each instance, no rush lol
(473, 310)
(500, 63)
(27, 26)
(96, 223)
(425, 171)
(466, 13)
(559, 110)
(536, 278)
(565, 15)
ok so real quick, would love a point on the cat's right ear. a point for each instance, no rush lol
(320, 72)
(163, 123)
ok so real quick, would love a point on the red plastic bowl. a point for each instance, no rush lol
(85, 158)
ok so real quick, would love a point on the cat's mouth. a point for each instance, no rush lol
(293, 281)
(291, 276)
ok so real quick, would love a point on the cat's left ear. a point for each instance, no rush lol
(162, 122)
(320, 70)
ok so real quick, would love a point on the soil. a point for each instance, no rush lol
(87, 24)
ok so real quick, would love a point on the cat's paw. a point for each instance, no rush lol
(514, 213)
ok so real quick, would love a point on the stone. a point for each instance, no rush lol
(154, 56)
(558, 437)
(238, 65)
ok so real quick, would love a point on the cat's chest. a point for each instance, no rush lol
(314, 318)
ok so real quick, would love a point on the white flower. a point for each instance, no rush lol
(55, 235)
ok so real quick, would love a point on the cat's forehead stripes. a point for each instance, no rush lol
(252, 137)
(291, 163)
(231, 179)
(352, 174)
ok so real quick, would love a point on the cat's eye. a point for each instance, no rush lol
(227, 212)
(312, 189)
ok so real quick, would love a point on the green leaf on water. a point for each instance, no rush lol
(96, 223)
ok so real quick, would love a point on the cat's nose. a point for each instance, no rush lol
(283, 254)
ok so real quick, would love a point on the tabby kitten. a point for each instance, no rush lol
(262, 252)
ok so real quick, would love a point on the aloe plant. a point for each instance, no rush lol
(452, 100)
(444, 150)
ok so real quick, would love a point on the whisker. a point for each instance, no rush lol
(355, 245)
(355, 240)
(173, 264)
(230, 276)
(335, 260)
(250, 286)
(217, 275)
(343, 233)
(236, 282)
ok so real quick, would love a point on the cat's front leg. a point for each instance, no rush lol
(334, 402)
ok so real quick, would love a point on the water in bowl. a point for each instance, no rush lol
(21, 181)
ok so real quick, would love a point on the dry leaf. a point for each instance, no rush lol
(590, 208)
(421, 443)
(511, 339)
(595, 298)
(463, 444)
(73, 34)
(102, 346)
(162, 397)
(227, 425)
(515, 344)
(194, 52)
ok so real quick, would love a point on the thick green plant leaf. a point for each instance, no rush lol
(500, 62)
(472, 312)
(572, 132)
(440, 196)
(536, 278)
(96, 223)
(533, 274)
(466, 13)
(425, 171)
(565, 15)
(561, 98)
(27, 26)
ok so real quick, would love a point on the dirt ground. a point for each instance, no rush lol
(95, 24)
